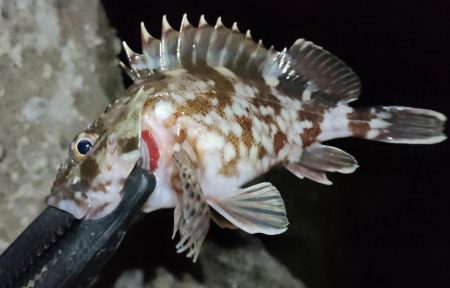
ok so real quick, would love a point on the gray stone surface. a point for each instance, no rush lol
(58, 70)
(162, 279)
(246, 266)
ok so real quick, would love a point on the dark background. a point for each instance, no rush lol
(387, 224)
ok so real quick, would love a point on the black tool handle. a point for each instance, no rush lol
(57, 250)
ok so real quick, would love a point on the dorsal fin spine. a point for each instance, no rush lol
(185, 42)
(253, 57)
(136, 60)
(239, 51)
(219, 46)
(202, 22)
(212, 40)
(131, 73)
(270, 69)
(202, 40)
(219, 23)
(235, 27)
(289, 71)
(227, 49)
(166, 55)
(150, 49)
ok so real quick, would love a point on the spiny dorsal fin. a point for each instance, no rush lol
(168, 48)
(150, 49)
(304, 70)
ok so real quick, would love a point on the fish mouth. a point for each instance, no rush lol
(70, 199)
(92, 200)
(83, 202)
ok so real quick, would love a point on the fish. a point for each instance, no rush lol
(209, 111)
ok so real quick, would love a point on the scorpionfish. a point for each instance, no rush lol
(209, 111)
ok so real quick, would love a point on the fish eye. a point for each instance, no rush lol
(83, 146)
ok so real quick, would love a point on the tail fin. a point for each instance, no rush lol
(396, 124)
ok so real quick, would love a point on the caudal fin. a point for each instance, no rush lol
(395, 124)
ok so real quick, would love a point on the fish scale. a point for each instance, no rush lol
(211, 110)
(243, 125)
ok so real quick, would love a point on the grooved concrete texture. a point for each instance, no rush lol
(58, 71)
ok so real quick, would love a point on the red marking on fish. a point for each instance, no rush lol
(152, 148)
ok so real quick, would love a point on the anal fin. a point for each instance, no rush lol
(330, 159)
(305, 172)
(319, 159)
(256, 209)
(191, 216)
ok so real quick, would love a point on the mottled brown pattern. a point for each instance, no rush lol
(309, 135)
(268, 119)
(223, 88)
(359, 128)
(264, 96)
(247, 137)
(181, 136)
(361, 114)
(230, 168)
(128, 144)
(263, 101)
(359, 122)
(89, 169)
(200, 105)
(261, 152)
(158, 82)
(279, 140)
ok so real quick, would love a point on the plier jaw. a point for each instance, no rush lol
(57, 250)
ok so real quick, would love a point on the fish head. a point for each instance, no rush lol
(90, 181)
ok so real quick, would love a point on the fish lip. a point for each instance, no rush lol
(61, 188)
(72, 199)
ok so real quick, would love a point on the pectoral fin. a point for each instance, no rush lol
(191, 215)
(256, 209)
(221, 221)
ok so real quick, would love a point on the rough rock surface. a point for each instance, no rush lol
(246, 266)
(58, 70)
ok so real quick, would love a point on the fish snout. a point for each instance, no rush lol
(70, 198)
